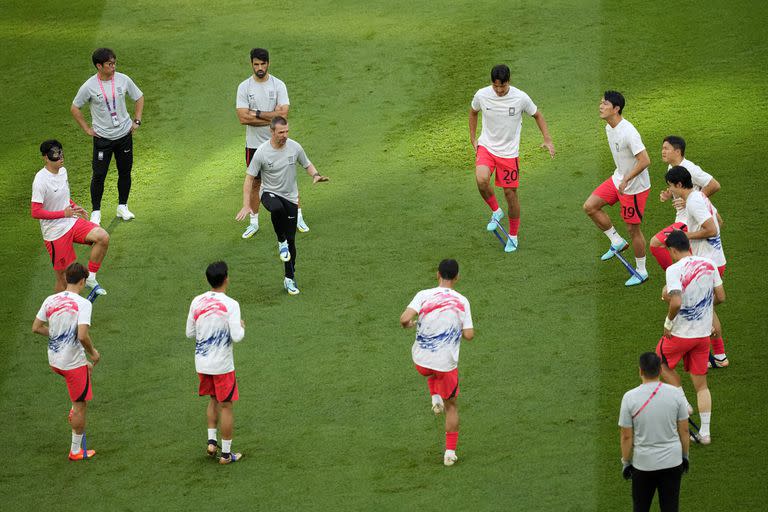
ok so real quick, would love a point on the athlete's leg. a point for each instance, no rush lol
(212, 413)
(638, 240)
(670, 376)
(279, 216)
(102, 156)
(227, 420)
(593, 207)
(292, 214)
(61, 280)
(718, 345)
(99, 240)
(659, 251)
(77, 418)
(513, 205)
(256, 196)
(451, 415)
(124, 162)
(483, 179)
(704, 402)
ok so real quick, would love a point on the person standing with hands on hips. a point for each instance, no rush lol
(112, 128)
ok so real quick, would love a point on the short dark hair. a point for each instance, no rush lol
(676, 142)
(448, 269)
(276, 121)
(650, 364)
(102, 55)
(615, 98)
(679, 174)
(500, 72)
(51, 149)
(75, 273)
(260, 53)
(678, 240)
(216, 273)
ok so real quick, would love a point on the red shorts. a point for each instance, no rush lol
(223, 387)
(445, 384)
(721, 270)
(507, 169)
(62, 250)
(632, 205)
(662, 235)
(693, 351)
(78, 382)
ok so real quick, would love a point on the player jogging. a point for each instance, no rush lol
(442, 317)
(693, 288)
(629, 185)
(275, 164)
(498, 148)
(63, 222)
(704, 234)
(65, 318)
(214, 321)
(673, 154)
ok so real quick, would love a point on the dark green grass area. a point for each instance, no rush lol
(332, 414)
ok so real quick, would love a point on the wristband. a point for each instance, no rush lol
(258, 114)
(668, 324)
(137, 121)
(625, 462)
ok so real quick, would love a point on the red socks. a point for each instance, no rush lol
(662, 256)
(718, 346)
(493, 203)
(451, 438)
(514, 226)
(93, 266)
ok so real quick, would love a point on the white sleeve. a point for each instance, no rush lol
(467, 316)
(191, 321)
(84, 309)
(476, 105)
(417, 301)
(682, 409)
(236, 331)
(673, 279)
(132, 89)
(699, 178)
(529, 106)
(625, 415)
(41, 315)
(282, 94)
(38, 190)
(255, 166)
(718, 279)
(634, 142)
(697, 209)
(82, 97)
(242, 96)
(301, 157)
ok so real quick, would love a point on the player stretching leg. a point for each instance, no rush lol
(444, 318)
(498, 148)
(629, 184)
(214, 321)
(65, 318)
(64, 223)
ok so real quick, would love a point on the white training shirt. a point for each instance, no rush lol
(443, 314)
(101, 119)
(264, 96)
(625, 142)
(502, 119)
(699, 209)
(696, 278)
(63, 312)
(52, 190)
(656, 441)
(214, 322)
(700, 180)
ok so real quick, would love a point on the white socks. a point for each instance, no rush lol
(226, 445)
(437, 400)
(212, 434)
(641, 265)
(255, 219)
(706, 418)
(77, 442)
(299, 216)
(613, 235)
(91, 276)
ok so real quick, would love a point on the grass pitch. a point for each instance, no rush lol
(332, 415)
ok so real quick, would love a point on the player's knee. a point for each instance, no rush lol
(102, 237)
(589, 208)
(656, 243)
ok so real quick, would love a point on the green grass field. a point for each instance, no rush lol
(332, 415)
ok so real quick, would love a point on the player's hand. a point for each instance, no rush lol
(679, 203)
(89, 131)
(664, 294)
(550, 147)
(246, 210)
(80, 212)
(134, 127)
(667, 333)
(69, 212)
(665, 195)
(317, 178)
(95, 357)
(474, 144)
(626, 470)
(242, 323)
(623, 185)
(686, 464)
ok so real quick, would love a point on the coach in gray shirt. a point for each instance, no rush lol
(654, 438)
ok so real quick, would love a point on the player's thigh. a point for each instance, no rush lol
(272, 202)
(483, 174)
(604, 194)
(124, 154)
(633, 207)
(102, 155)
(697, 356)
(88, 233)
(507, 172)
(669, 351)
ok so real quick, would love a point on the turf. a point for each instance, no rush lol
(332, 415)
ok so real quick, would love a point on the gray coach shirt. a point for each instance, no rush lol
(265, 96)
(90, 92)
(656, 441)
(277, 168)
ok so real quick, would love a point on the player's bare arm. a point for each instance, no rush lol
(685, 438)
(675, 302)
(316, 176)
(642, 161)
(40, 327)
(408, 318)
(84, 337)
(246, 209)
(473, 127)
(542, 124)
(138, 110)
(626, 443)
(711, 188)
(708, 230)
(80, 119)
(719, 294)
(468, 334)
(260, 118)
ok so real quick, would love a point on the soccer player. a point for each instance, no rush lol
(63, 222)
(673, 154)
(275, 164)
(498, 148)
(214, 321)
(64, 318)
(704, 233)
(260, 98)
(112, 129)
(629, 184)
(693, 288)
(442, 317)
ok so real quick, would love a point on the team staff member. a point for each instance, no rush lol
(65, 319)
(215, 323)
(629, 184)
(112, 129)
(63, 222)
(498, 148)
(442, 317)
(260, 98)
(654, 439)
(275, 163)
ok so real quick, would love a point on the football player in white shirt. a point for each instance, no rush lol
(673, 154)
(628, 185)
(65, 319)
(215, 323)
(442, 317)
(498, 148)
(693, 288)
(703, 222)
(62, 222)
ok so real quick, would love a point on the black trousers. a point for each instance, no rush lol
(283, 213)
(102, 156)
(645, 484)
